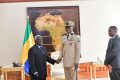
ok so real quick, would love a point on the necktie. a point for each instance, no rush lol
(67, 36)
(41, 49)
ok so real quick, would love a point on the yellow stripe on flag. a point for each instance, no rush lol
(29, 43)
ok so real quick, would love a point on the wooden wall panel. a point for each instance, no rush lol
(16, 75)
(84, 71)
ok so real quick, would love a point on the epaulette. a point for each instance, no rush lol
(64, 34)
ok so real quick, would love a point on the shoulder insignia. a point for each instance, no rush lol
(64, 34)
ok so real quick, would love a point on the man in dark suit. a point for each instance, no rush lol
(112, 60)
(37, 58)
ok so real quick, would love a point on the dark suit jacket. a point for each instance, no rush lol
(113, 53)
(37, 59)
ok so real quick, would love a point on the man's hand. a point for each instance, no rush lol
(109, 68)
(58, 60)
(36, 74)
(76, 65)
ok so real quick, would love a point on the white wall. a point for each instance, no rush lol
(95, 18)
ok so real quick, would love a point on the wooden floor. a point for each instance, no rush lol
(57, 77)
(61, 77)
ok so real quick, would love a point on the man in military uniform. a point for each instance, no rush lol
(70, 51)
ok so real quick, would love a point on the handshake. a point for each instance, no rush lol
(75, 64)
(58, 60)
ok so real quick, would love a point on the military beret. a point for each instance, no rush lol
(69, 24)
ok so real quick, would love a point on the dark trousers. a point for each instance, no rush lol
(32, 77)
(115, 74)
(35, 78)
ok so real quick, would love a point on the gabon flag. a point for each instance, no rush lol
(27, 44)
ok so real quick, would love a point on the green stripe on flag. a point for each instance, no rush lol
(27, 32)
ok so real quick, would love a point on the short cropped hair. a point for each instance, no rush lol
(36, 37)
(114, 28)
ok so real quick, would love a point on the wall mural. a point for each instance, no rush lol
(49, 22)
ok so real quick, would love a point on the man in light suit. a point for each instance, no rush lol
(37, 58)
(112, 60)
(70, 51)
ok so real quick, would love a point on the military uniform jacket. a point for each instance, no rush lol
(71, 49)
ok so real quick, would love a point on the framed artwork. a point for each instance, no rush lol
(49, 23)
